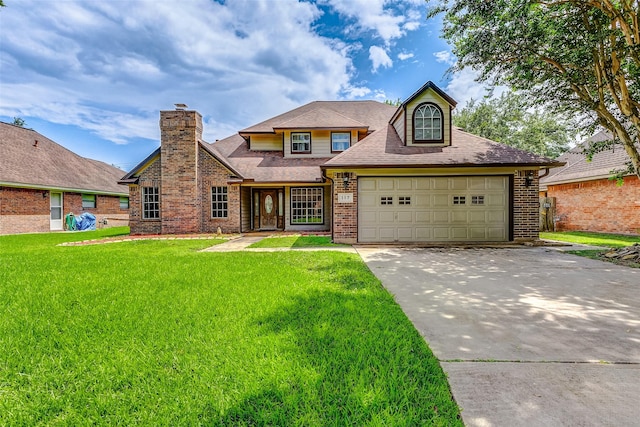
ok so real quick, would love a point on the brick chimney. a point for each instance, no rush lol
(180, 130)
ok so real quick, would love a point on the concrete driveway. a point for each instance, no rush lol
(527, 336)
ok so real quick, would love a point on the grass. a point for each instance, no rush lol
(593, 239)
(294, 242)
(157, 333)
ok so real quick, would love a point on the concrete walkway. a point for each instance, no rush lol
(528, 336)
(242, 243)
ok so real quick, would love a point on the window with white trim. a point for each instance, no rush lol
(307, 205)
(150, 203)
(301, 142)
(427, 123)
(386, 200)
(340, 141)
(219, 202)
(88, 201)
(477, 200)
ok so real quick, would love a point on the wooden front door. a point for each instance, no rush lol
(268, 209)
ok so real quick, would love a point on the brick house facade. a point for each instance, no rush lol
(41, 181)
(586, 199)
(361, 170)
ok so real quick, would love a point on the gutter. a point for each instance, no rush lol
(63, 189)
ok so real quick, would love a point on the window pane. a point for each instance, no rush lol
(306, 205)
(219, 202)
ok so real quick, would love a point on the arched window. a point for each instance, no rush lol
(427, 123)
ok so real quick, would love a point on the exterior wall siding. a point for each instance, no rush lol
(25, 210)
(269, 142)
(213, 174)
(320, 143)
(345, 215)
(598, 206)
(526, 208)
(181, 132)
(399, 125)
(429, 96)
(150, 177)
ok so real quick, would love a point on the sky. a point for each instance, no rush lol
(93, 75)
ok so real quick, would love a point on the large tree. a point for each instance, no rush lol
(508, 120)
(576, 56)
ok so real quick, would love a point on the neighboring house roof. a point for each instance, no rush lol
(384, 148)
(577, 167)
(30, 159)
(374, 114)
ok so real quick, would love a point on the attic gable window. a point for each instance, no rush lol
(301, 142)
(427, 123)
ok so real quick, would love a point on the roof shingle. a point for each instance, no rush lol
(50, 165)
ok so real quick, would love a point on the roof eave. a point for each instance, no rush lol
(61, 188)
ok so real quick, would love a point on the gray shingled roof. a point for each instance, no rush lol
(374, 114)
(384, 148)
(577, 167)
(50, 165)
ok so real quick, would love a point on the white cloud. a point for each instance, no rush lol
(110, 66)
(403, 56)
(379, 58)
(381, 16)
(445, 57)
(463, 87)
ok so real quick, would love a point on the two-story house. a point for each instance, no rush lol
(364, 170)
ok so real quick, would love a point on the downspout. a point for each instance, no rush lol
(332, 203)
(546, 172)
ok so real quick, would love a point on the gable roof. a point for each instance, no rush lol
(46, 164)
(384, 148)
(319, 118)
(373, 114)
(436, 89)
(577, 167)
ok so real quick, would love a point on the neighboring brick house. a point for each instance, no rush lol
(586, 199)
(363, 170)
(41, 182)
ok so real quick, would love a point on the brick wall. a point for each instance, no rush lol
(150, 177)
(181, 203)
(526, 207)
(598, 206)
(345, 215)
(25, 210)
(213, 174)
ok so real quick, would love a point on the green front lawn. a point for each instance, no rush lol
(593, 239)
(294, 242)
(157, 333)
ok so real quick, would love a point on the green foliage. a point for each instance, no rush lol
(17, 121)
(593, 239)
(157, 333)
(294, 242)
(395, 103)
(572, 56)
(508, 120)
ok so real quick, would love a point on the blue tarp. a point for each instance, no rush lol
(85, 221)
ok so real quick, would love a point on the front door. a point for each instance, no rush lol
(268, 210)
(55, 205)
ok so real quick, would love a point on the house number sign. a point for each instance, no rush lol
(345, 197)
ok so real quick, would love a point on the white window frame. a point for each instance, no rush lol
(150, 202)
(347, 141)
(307, 205)
(89, 201)
(427, 123)
(220, 202)
(301, 140)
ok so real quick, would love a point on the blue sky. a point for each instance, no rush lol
(93, 75)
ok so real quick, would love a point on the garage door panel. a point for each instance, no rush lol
(386, 216)
(427, 212)
(404, 217)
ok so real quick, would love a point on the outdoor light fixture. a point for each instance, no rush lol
(44, 194)
(528, 179)
(345, 179)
